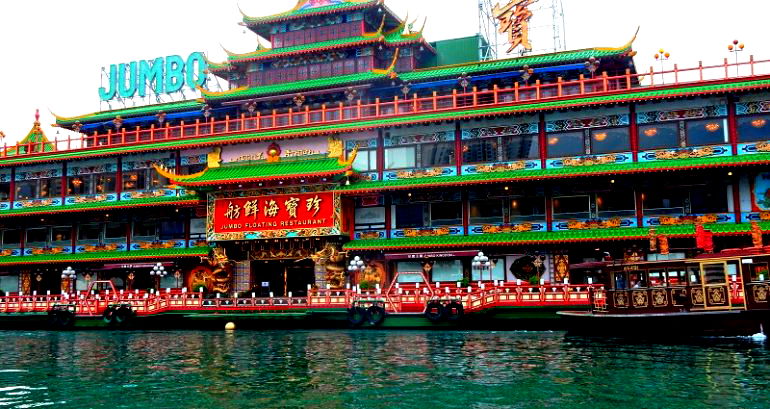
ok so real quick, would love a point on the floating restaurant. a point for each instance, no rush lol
(355, 172)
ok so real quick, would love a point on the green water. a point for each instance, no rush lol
(377, 369)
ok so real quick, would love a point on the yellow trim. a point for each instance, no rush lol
(173, 176)
(400, 26)
(351, 158)
(392, 64)
(218, 64)
(208, 93)
(379, 30)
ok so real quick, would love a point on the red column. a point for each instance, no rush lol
(549, 209)
(12, 187)
(466, 211)
(64, 183)
(119, 178)
(458, 147)
(634, 131)
(736, 197)
(639, 207)
(388, 200)
(732, 124)
(380, 154)
(542, 140)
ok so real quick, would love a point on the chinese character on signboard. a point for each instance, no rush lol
(514, 20)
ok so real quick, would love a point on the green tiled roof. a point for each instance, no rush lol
(574, 171)
(81, 207)
(105, 256)
(291, 14)
(131, 112)
(397, 120)
(312, 47)
(543, 237)
(514, 63)
(296, 86)
(286, 169)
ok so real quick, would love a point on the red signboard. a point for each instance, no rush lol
(274, 212)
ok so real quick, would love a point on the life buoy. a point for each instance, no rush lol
(376, 315)
(434, 311)
(454, 311)
(109, 315)
(123, 315)
(357, 316)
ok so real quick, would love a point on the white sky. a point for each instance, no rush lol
(52, 51)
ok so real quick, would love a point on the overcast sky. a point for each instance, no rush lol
(52, 51)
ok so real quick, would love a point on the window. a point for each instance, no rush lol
(565, 144)
(366, 160)
(610, 140)
(135, 180)
(50, 187)
(368, 218)
(520, 147)
(410, 216)
(115, 231)
(9, 284)
(146, 229)
(447, 271)
(409, 271)
(661, 202)
(709, 198)
(616, 204)
(26, 189)
(5, 191)
(659, 136)
(104, 183)
(198, 228)
(571, 207)
(90, 232)
(37, 237)
(446, 214)
(480, 150)
(400, 157)
(706, 132)
(171, 229)
(486, 211)
(61, 235)
(438, 154)
(527, 208)
(156, 180)
(11, 238)
(79, 185)
(753, 128)
(497, 272)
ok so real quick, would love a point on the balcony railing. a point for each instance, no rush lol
(411, 105)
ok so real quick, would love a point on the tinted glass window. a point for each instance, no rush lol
(571, 207)
(610, 140)
(520, 147)
(565, 144)
(400, 157)
(527, 208)
(754, 128)
(438, 154)
(706, 132)
(659, 136)
(486, 211)
(411, 215)
(480, 150)
(446, 214)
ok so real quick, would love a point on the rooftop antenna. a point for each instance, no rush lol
(488, 36)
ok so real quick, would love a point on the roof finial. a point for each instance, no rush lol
(37, 115)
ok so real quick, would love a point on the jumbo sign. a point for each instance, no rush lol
(162, 75)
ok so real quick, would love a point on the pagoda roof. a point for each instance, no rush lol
(716, 87)
(189, 105)
(106, 256)
(517, 63)
(315, 166)
(305, 8)
(36, 137)
(529, 238)
(396, 37)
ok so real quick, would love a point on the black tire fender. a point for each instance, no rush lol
(434, 311)
(376, 315)
(109, 315)
(454, 311)
(357, 316)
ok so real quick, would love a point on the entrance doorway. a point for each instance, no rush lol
(283, 277)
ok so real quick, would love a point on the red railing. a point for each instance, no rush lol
(342, 113)
(407, 298)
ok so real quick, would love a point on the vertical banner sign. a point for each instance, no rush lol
(289, 212)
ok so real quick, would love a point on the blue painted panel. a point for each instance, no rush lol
(712, 151)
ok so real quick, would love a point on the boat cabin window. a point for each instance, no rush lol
(90, 232)
(753, 128)
(26, 189)
(61, 235)
(706, 132)
(714, 273)
(37, 237)
(448, 271)
(5, 191)
(659, 136)
(758, 271)
(11, 239)
(571, 207)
